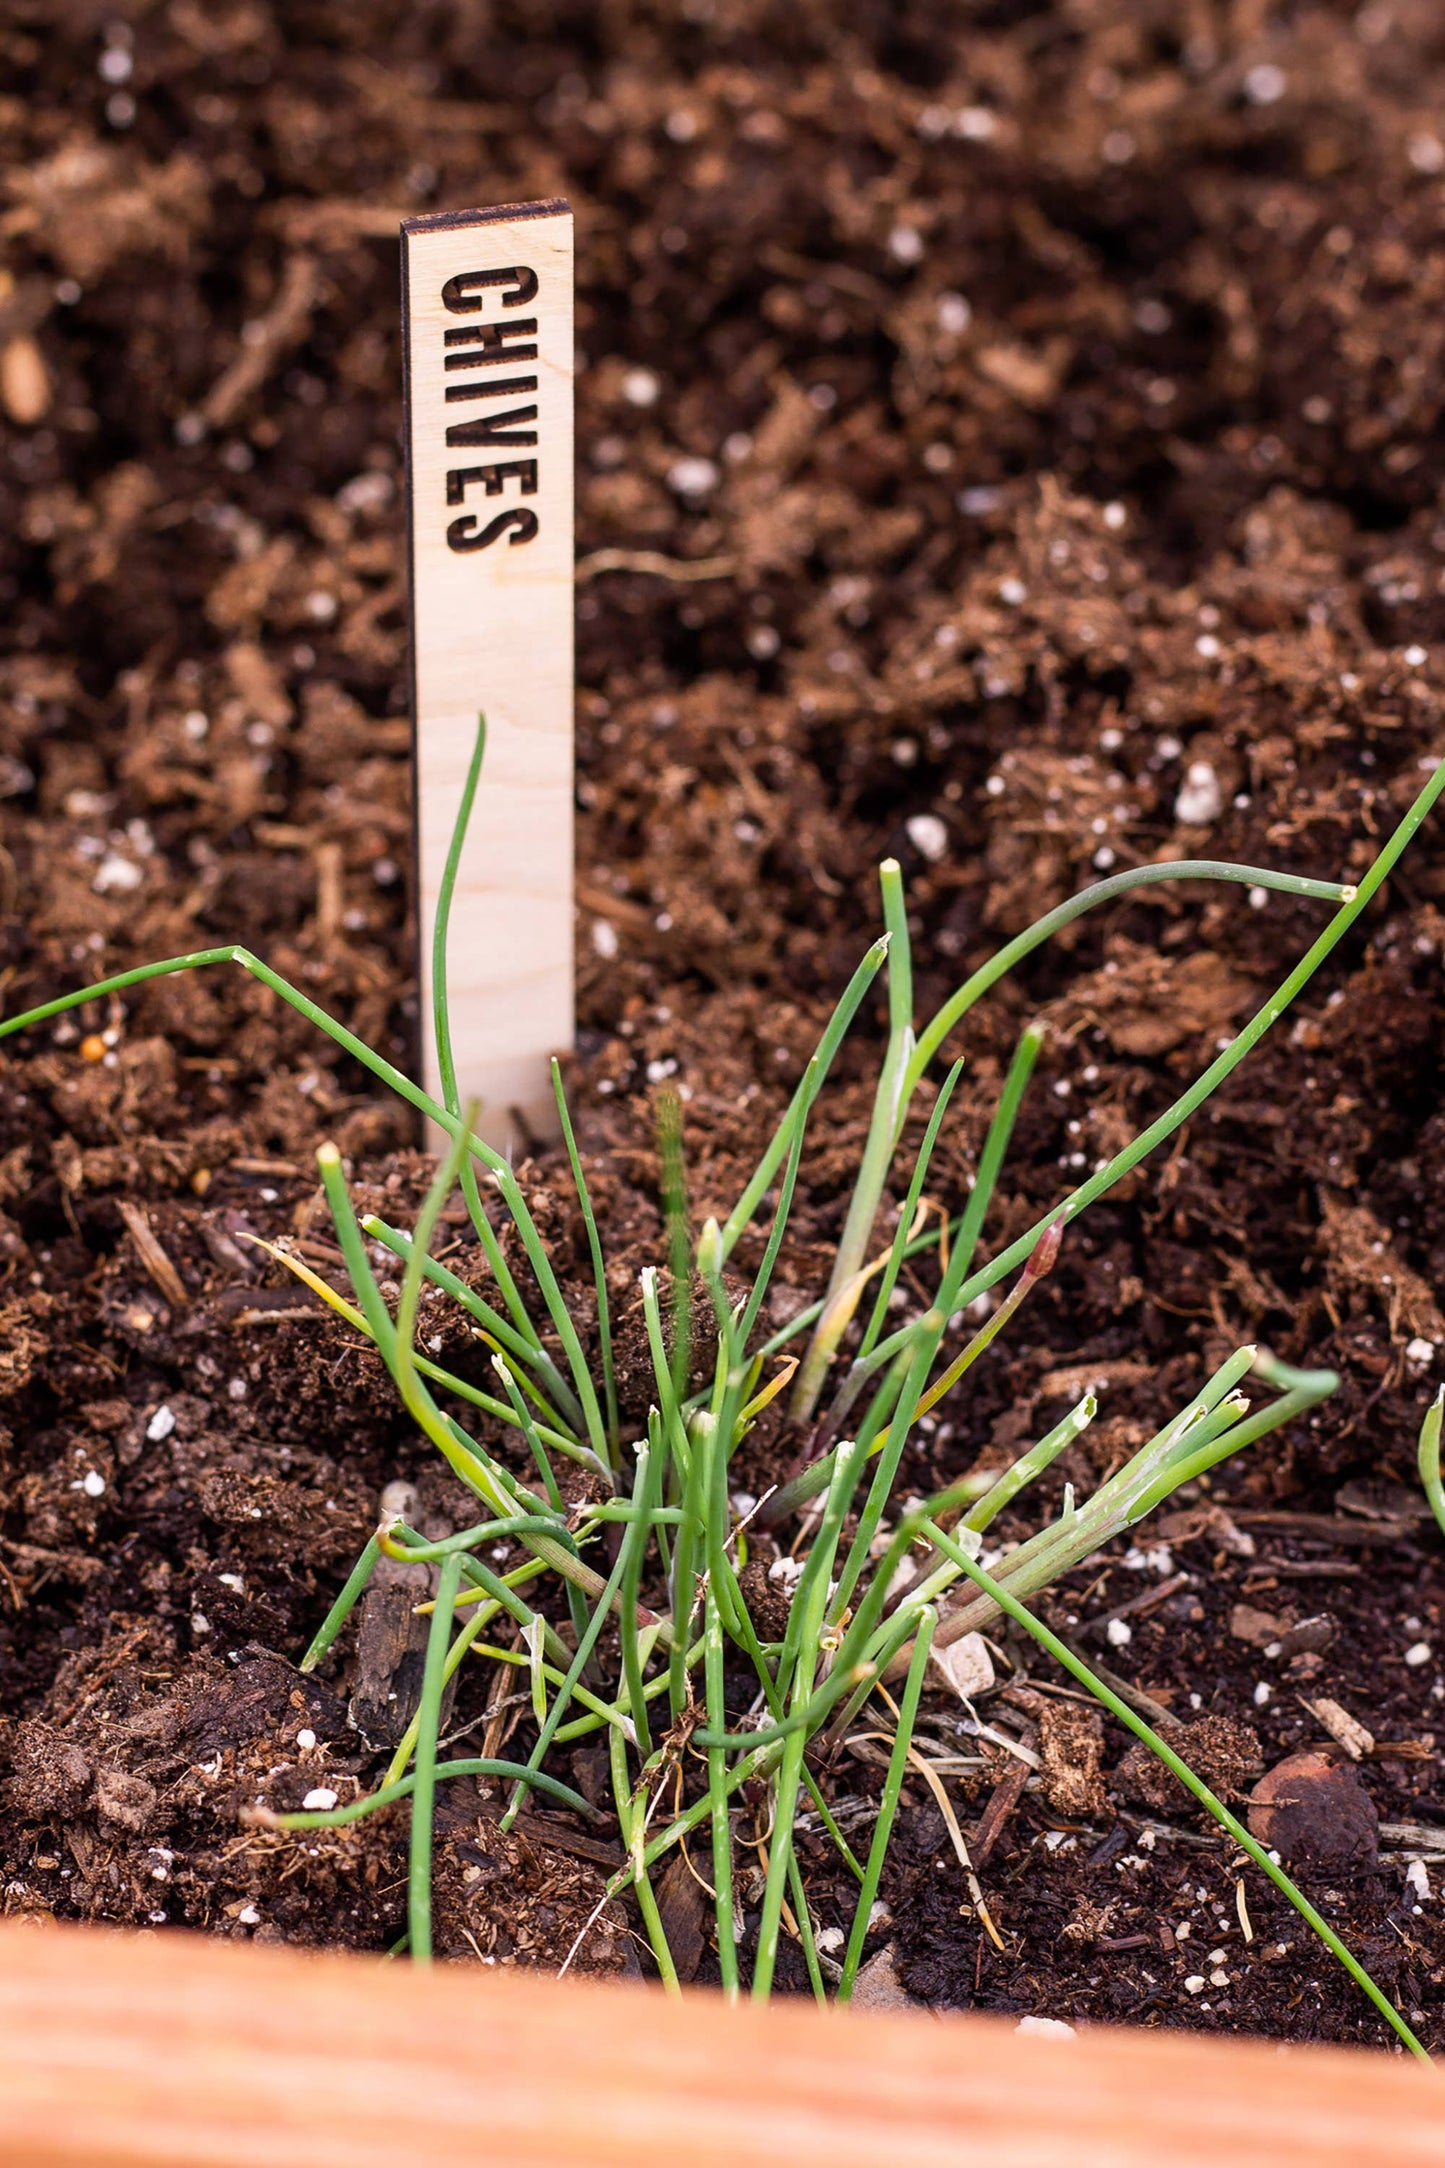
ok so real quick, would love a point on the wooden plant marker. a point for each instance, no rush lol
(487, 310)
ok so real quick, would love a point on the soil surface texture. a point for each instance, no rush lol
(1010, 439)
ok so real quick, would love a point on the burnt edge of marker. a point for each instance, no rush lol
(442, 221)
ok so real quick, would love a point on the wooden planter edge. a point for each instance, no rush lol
(178, 2051)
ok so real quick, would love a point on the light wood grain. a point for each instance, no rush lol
(170, 2051)
(487, 300)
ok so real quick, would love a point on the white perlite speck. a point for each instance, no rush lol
(787, 1572)
(928, 835)
(1119, 1634)
(966, 1664)
(116, 875)
(93, 1483)
(1420, 1352)
(1418, 1878)
(1200, 798)
(692, 477)
(1265, 84)
(319, 1800)
(161, 1424)
(1417, 1654)
(1046, 2028)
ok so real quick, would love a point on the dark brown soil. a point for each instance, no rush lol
(1071, 382)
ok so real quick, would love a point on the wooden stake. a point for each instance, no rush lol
(487, 307)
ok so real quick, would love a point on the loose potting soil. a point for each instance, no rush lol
(1011, 439)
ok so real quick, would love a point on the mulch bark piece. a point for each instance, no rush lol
(1312, 1808)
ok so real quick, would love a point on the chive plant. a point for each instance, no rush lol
(626, 1612)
